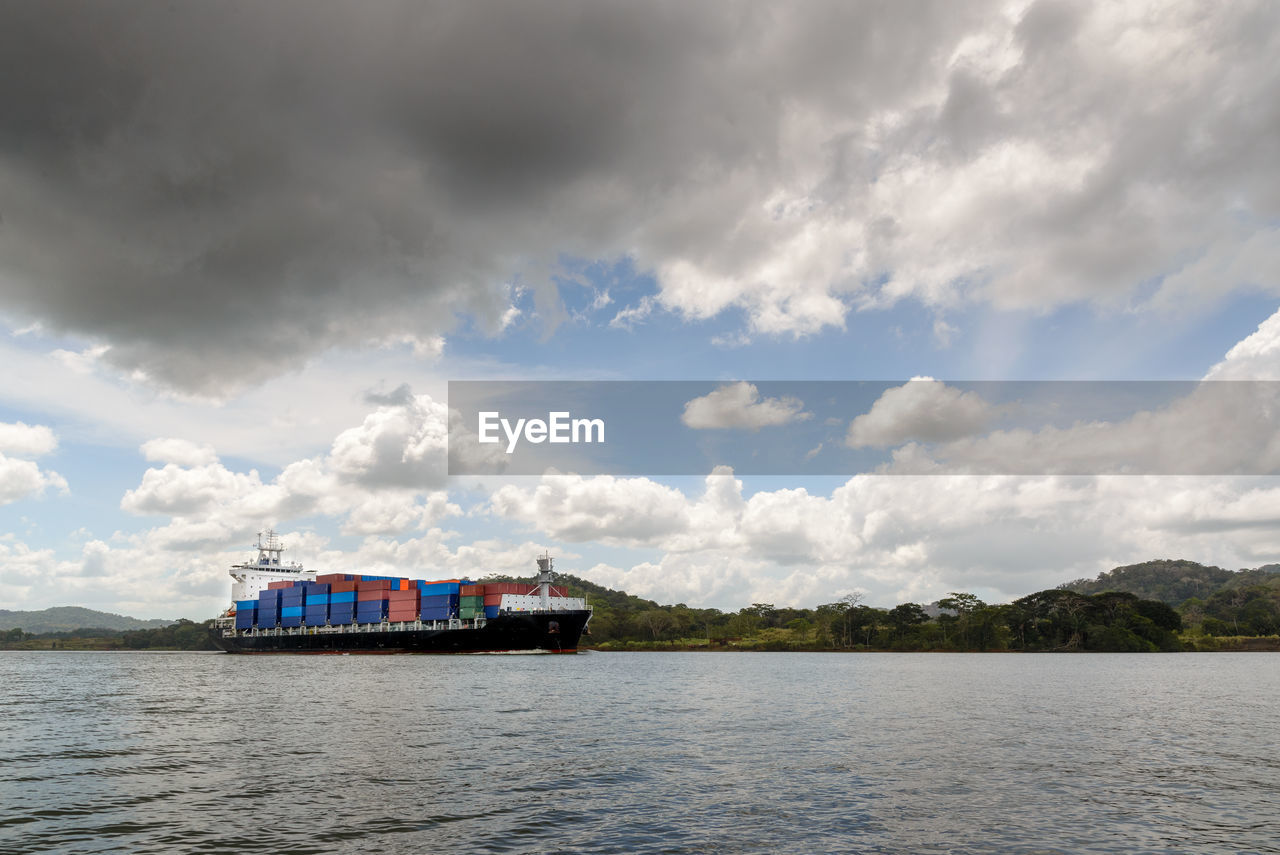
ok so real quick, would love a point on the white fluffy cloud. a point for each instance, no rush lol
(26, 440)
(921, 409)
(382, 477)
(1256, 357)
(20, 478)
(900, 537)
(739, 405)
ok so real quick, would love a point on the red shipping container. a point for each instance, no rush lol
(374, 585)
(493, 599)
(369, 596)
(407, 614)
(403, 595)
(271, 586)
(330, 578)
(473, 590)
(339, 587)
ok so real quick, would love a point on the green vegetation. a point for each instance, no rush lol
(182, 635)
(1173, 582)
(1132, 608)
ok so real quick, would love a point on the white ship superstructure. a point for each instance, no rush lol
(249, 579)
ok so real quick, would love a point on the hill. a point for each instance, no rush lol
(67, 618)
(1172, 581)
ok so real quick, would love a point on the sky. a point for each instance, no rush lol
(245, 248)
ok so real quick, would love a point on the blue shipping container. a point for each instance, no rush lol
(317, 588)
(318, 599)
(491, 611)
(442, 588)
(291, 621)
(343, 597)
(435, 613)
(245, 618)
(291, 611)
(444, 600)
(246, 604)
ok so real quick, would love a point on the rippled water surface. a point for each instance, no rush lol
(639, 753)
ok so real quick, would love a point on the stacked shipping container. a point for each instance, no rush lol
(337, 599)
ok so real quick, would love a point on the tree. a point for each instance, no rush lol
(906, 616)
(656, 621)
(964, 605)
(801, 627)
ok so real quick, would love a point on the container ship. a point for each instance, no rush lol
(281, 608)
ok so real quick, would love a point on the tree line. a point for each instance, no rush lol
(1057, 619)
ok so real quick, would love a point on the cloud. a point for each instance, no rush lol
(320, 176)
(20, 479)
(397, 397)
(179, 451)
(1256, 357)
(628, 318)
(149, 575)
(1216, 429)
(739, 405)
(898, 538)
(26, 440)
(608, 509)
(398, 445)
(921, 409)
(384, 476)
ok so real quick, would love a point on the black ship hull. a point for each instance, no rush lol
(514, 632)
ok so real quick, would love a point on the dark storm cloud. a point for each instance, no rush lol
(221, 190)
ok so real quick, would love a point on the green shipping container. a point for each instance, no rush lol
(471, 602)
(471, 612)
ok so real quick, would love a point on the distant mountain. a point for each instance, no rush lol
(1171, 581)
(67, 618)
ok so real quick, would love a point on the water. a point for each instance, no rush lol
(639, 753)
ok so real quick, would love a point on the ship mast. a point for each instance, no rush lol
(546, 575)
(270, 549)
